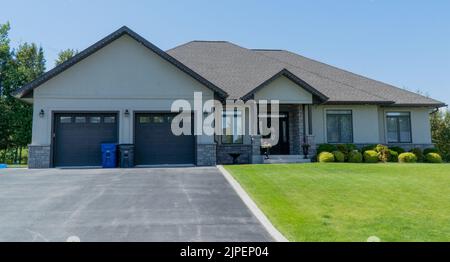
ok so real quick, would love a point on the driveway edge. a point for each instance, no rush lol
(276, 235)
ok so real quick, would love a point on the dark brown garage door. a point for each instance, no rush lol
(155, 143)
(78, 137)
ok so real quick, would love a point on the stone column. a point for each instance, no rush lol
(257, 158)
(38, 156)
(312, 143)
(206, 154)
(296, 130)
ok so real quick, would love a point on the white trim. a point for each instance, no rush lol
(276, 235)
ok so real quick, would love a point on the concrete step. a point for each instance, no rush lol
(279, 159)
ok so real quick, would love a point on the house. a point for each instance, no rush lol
(121, 90)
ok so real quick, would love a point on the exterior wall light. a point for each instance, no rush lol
(127, 113)
(41, 113)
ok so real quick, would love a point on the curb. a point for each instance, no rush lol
(274, 233)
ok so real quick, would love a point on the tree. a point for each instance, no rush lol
(17, 67)
(440, 130)
(65, 55)
(5, 57)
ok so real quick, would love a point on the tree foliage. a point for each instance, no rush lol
(65, 55)
(17, 67)
(440, 130)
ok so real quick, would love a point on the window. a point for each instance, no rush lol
(339, 126)
(109, 119)
(158, 119)
(398, 125)
(65, 119)
(80, 119)
(232, 127)
(95, 119)
(144, 119)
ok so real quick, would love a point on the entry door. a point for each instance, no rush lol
(155, 144)
(78, 137)
(282, 148)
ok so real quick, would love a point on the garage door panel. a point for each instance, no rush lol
(78, 137)
(156, 144)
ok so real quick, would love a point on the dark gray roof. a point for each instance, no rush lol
(240, 71)
(28, 88)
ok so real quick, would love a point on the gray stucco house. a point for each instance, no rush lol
(121, 89)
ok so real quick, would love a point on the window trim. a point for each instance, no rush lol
(398, 127)
(326, 125)
(236, 110)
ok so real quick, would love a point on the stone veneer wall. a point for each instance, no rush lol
(206, 154)
(256, 157)
(223, 152)
(296, 130)
(38, 156)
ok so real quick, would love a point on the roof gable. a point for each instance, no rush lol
(27, 89)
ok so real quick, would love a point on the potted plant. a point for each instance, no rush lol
(266, 147)
(305, 148)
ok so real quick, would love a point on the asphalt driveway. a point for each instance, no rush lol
(148, 204)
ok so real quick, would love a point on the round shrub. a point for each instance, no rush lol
(326, 157)
(339, 156)
(433, 158)
(393, 156)
(418, 152)
(426, 151)
(370, 156)
(397, 149)
(355, 157)
(368, 147)
(407, 158)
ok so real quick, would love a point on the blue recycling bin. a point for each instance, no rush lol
(109, 155)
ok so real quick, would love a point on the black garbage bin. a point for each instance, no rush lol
(126, 155)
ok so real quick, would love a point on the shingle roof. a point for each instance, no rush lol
(239, 71)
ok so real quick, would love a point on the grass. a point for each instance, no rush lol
(351, 202)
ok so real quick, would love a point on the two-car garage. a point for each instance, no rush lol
(77, 139)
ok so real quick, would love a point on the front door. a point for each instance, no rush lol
(282, 148)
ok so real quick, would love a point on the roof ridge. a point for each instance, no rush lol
(322, 76)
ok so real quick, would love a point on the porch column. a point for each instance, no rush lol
(296, 129)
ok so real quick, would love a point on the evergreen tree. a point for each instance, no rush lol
(65, 55)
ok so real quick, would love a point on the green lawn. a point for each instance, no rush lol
(351, 202)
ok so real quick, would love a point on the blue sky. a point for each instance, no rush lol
(404, 42)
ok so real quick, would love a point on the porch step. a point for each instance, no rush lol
(280, 159)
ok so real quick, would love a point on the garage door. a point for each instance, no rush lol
(78, 137)
(156, 144)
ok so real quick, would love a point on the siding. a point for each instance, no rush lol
(123, 75)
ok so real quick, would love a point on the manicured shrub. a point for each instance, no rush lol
(418, 152)
(433, 158)
(407, 157)
(383, 153)
(326, 148)
(393, 156)
(370, 156)
(355, 157)
(397, 149)
(339, 156)
(326, 157)
(368, 147)
(426, 151)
